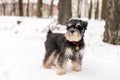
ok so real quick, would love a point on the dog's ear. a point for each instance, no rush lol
(85, 24)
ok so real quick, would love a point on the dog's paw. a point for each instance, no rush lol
(47, 66)
(60, 71)
(77, 69)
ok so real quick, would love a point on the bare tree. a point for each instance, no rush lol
(51, 8)
(112, 27)
(97, 10)
(65, 12)
(4, 4)
(20, 7)
(39, 8)
(90, 10)
(28, 8)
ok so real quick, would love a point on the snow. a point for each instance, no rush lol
(22, 51)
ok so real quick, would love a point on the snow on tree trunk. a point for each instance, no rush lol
(112, 27)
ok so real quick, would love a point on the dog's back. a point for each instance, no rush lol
(54, 40)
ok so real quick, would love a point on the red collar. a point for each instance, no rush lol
(75, 43)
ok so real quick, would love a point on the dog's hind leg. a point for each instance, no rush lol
(49, 59)
(61, 64)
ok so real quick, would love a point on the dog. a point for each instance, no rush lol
(61, 47)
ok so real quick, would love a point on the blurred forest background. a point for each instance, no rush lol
(50, 8)
(108, 10)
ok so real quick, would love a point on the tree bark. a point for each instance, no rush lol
(104, 5)
(39, 8)
(90, 10)
(112, 27)
(97, 10)
(65, 11)
(28, 8)
(20, 8)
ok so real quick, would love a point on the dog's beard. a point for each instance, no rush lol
(76, 36)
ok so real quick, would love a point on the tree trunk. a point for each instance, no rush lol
(20, 8)
(39, 8)
(65, 11)
(51, 8)
(78, 9)
(14, 9)
(112, 27)
(28, 8)
(97, 10)
(90, 10)
(103, 13)
(4, 9)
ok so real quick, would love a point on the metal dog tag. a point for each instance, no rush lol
(77, 48)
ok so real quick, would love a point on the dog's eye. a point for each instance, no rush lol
(68, 27)
(82, 29)
(79, 27)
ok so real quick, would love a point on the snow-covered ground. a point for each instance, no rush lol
(22, 51)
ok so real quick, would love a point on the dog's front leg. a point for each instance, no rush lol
(61, 64)
(77, 63)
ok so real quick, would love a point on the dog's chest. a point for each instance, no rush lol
(70, 52)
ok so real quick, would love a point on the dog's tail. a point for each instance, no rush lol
(49, 32)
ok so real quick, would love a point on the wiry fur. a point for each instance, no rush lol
(65, 47)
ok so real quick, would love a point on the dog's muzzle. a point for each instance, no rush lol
(73, 35)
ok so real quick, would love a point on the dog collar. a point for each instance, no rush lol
(76, 44)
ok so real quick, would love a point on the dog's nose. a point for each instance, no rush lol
(72, 31)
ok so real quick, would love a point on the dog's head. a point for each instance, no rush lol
(75, 29)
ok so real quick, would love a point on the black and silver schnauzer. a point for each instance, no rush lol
(61, 47)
